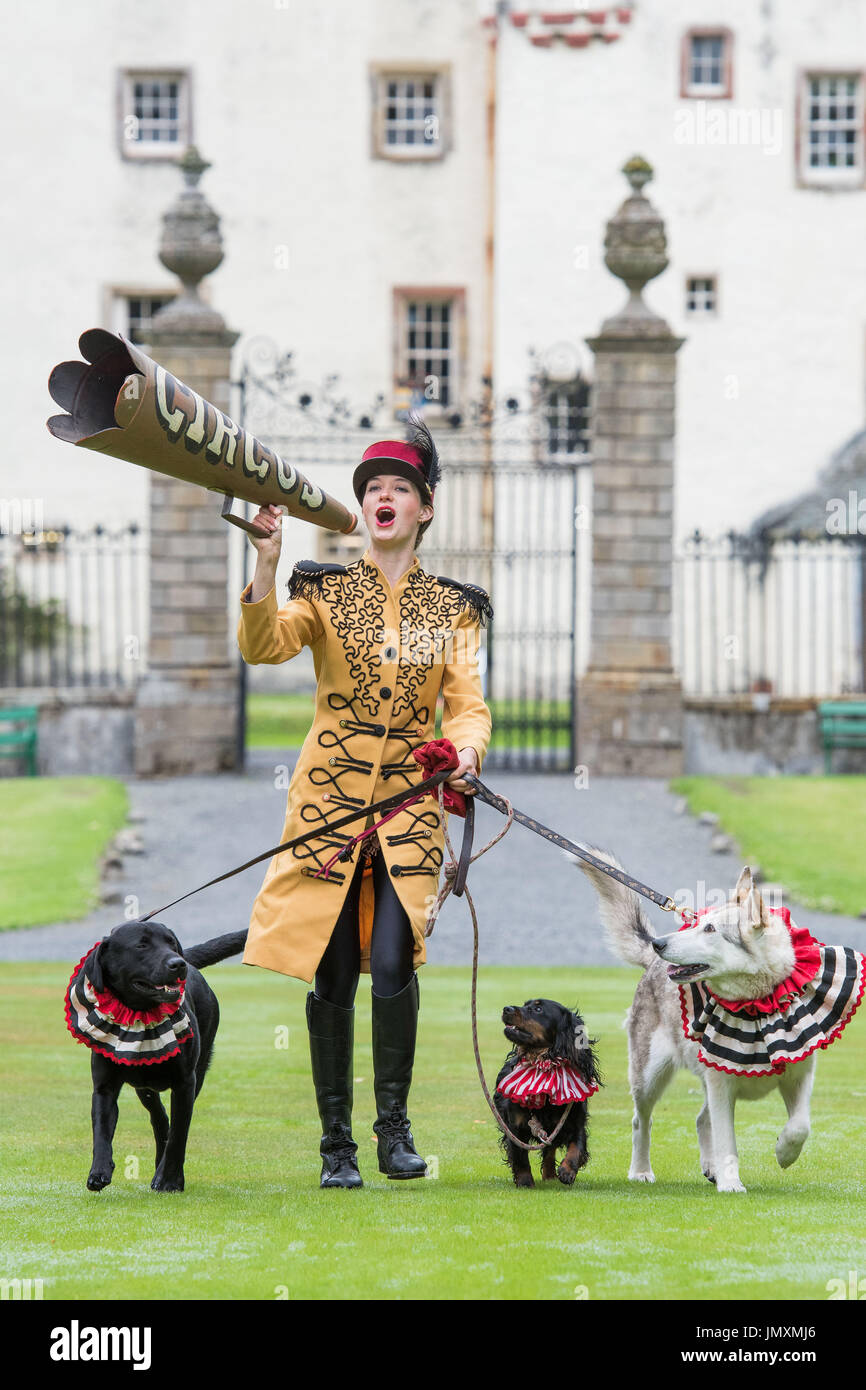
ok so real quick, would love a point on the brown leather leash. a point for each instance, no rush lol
(455, 882)
(501, 803)
(388, 803)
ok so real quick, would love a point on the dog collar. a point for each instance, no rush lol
(545, 1082)
(762, 1040)
(135, 1038)
(807, 961)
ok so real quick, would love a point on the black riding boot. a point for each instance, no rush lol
(395, 1028)
(331, 1037)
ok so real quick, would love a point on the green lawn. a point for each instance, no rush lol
(807, 833)
(278, 721)
(253, 1224)
(54, 831)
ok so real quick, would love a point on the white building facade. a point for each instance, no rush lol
(417, 193)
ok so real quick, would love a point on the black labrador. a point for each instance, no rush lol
(142, 966)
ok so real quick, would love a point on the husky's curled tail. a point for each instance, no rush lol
(626, 928)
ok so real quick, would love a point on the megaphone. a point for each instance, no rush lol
(121, 402)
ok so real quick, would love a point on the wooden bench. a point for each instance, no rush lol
(20, 742)
(843, 725)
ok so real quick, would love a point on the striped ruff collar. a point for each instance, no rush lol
(108, 1026)
(762, 1040)
(545, 1082)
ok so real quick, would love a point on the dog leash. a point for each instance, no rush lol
(389, 803)
(502, 804)
(401, 799)
(455, 882)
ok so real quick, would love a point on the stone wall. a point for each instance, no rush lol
(82, 732)
(753, 736)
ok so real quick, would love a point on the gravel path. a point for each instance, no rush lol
(534, 906)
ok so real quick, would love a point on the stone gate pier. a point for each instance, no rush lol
(629, 707)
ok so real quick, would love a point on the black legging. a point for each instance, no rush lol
(392, 945)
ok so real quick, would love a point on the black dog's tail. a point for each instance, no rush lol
(218, 948)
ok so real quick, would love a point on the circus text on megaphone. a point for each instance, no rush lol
(186, 417)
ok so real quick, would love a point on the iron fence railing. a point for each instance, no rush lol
(516, 531)
(786, 617)
(73, 607)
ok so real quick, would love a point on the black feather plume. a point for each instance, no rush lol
(421, 439)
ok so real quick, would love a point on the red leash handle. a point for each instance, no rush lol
(345, 854)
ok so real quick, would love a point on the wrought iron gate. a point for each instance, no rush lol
(510, 513)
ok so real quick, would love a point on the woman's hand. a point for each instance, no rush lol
(269, 521)
(468, 763)
(268, 545)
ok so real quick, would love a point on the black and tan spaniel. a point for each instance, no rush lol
(551, 1065)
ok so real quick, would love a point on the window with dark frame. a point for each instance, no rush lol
(566, 409)
(832, 129)
(428, 348)
(410, 112)
(701, 294)
(155, 120)
(140, 311)
(130, 310)
(156, 108)
(707, 63)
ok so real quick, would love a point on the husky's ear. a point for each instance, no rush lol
(753, 914)
(744, 883)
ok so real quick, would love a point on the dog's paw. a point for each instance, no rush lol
(728, 1175)
(648, 1176)
(566, 1173)
(98, 1178)
(524, 1180)
(730, 1185)
(789, 1145)
(161, 1183)
(709, 1174)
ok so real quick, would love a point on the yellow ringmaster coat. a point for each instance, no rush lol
(381, 657)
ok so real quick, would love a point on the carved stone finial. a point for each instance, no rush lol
(191, 247)
(193, 166)
(636, 252)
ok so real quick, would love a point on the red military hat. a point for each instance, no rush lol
(417, 460)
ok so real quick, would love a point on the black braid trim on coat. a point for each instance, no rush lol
(308, 576)
(472, 596)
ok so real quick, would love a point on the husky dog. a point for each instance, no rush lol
(743, 952)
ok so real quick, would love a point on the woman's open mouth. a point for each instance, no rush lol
(385, 516)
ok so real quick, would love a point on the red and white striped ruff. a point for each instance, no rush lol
(762, 1037)
(545, 1082)
(135, 1038)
